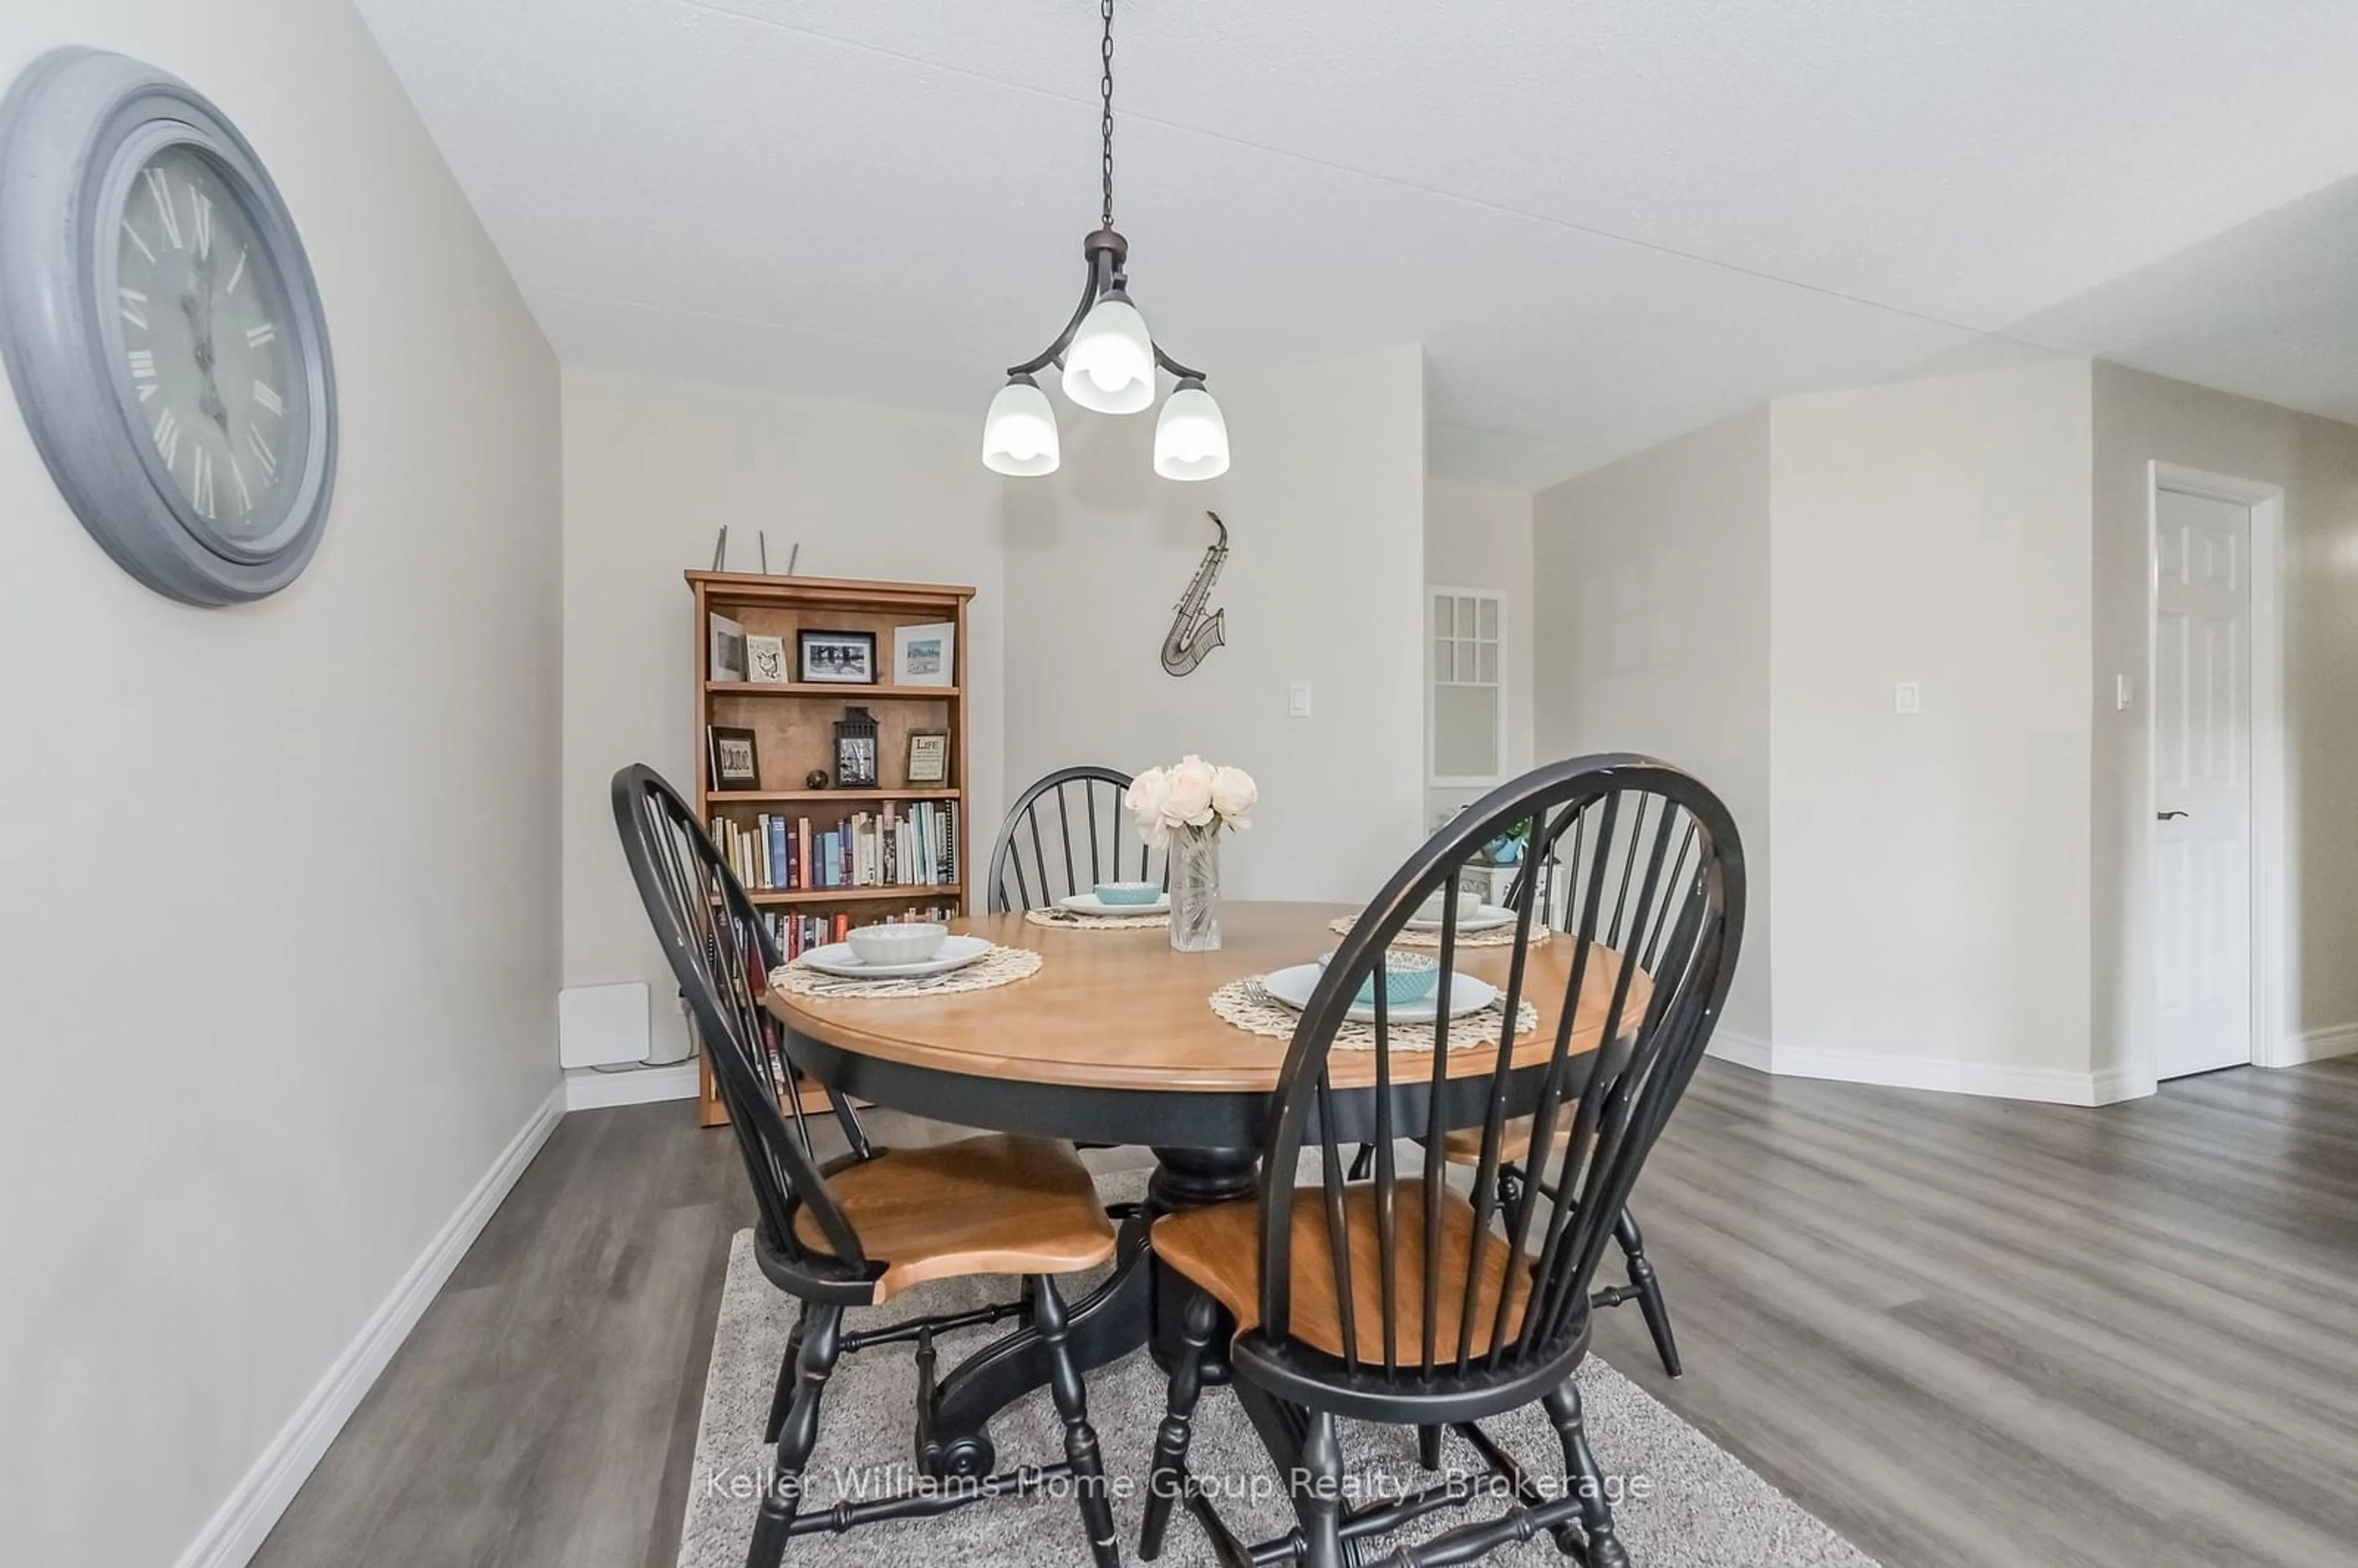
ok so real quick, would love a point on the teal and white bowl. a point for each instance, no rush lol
(1129, 892)
(906, 942)
(1408, 977)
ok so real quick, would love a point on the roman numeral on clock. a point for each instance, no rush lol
(134, 308)
(262, 452)
(268, 398)
(143, 372)
(161, 189)
(167, 437)
(257, 336)
(201, 496)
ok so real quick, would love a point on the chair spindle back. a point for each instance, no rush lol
(1064, 835)
(722, 953)
(1651, 919)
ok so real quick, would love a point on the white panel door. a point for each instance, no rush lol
(2203, 781)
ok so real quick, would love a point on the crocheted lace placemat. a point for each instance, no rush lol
(999, 967)
(1249, 1006)
(1407, 936)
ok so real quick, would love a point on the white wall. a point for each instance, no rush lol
(2141, 418)
(653, 468)
(278, 937)
(1324, 583)
(1653, 637)
(1931, 898)
(1478, 536)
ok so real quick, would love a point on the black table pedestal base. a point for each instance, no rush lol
(1138, 1304)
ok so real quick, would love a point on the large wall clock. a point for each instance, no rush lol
(162, 329)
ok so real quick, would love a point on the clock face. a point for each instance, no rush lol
(162, 329)
(207, 355)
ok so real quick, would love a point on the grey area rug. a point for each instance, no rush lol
(1680, 1500)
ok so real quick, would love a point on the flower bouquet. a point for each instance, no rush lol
(1182, 810)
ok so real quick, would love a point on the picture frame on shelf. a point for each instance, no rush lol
(727, 649)
(836, 658)
(734, 758)
(929, 758)
(765, 661)
(926, 656)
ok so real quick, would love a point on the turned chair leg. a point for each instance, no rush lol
(1072, 1404)
(1428, 1448)
(1581, 1470)
(1649, 1289)
(821, 1333)
(1362, 1162)
(1318, 1493)
(781, 1396)
(1169, 1477)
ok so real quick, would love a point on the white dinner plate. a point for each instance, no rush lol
(1292, 987)
(1089, 903)
(1481, 917)
(838, 959)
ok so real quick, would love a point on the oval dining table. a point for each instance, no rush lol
(1113, 1041)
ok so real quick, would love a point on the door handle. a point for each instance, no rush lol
(2167, 816)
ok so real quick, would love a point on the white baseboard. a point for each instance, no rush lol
(586, 1088)
(1744, 1050)
(236, 1530)
(2319, 1044)
(2115, 1085)
(2053, 1086)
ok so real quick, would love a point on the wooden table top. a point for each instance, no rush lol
(1122, 1010)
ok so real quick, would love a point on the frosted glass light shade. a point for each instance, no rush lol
(1191, 439)
(1109, 365)
(1019, 434)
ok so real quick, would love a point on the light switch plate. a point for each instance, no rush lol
(1297, 699)
(1908, 697)
(2121, 693)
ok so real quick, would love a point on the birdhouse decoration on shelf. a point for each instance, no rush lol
(855, 750)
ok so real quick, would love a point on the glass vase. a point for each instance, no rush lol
(1195, 890)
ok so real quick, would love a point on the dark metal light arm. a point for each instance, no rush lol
(1054, 350)
(1175, 367)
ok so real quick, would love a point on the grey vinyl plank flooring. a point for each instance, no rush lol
(1963, 1332)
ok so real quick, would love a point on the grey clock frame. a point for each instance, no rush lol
(74, 131)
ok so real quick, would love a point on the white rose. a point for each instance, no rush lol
(1233, 794)
(1187, 800)
(1144, 799)
(1145, 793)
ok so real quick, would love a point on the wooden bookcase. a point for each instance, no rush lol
(794, 726)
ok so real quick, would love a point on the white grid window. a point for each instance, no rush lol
(1466, 711)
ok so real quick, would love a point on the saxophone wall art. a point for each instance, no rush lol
(1194, 634)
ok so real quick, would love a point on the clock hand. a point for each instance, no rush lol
(198, 309)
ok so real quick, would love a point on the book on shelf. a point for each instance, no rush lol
(795, 932)
(911, 844)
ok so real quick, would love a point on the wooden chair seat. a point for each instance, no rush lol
(998, 1204)
(1464, 1147)
(1219, 1249)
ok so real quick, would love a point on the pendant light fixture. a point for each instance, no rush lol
(1107, 356)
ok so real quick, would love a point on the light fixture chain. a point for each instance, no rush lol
(1105, 87)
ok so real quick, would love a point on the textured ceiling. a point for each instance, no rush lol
(1606, 222)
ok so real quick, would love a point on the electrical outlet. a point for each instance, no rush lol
(1908, 697)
